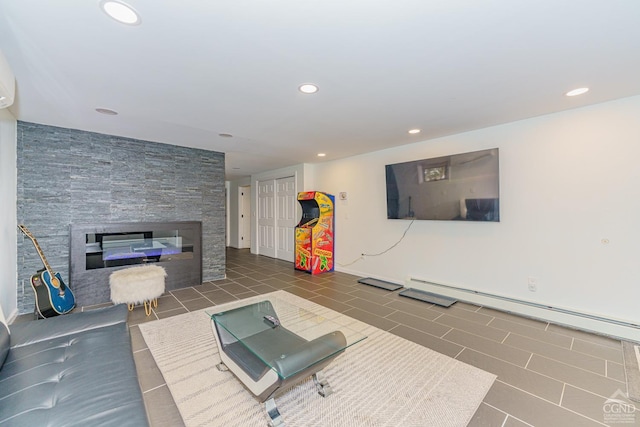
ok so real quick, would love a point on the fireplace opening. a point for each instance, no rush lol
(97, 250)
(105, 250)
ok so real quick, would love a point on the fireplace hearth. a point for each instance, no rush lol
(97, 250)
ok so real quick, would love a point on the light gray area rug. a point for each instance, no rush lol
(383, 381)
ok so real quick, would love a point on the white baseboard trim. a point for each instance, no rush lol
(616, 328)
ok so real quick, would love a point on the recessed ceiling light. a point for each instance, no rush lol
(121, 12)
(225, 135)
(414, 131)
(308, 88)
(321, 154)
(578, 91)
(107, 111)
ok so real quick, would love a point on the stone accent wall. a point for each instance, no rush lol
(69, 176)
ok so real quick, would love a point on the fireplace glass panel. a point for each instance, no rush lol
(137, 247)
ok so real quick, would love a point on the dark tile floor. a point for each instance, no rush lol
(548, 375)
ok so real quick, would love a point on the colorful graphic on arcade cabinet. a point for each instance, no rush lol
(314, 233)
(303, 248)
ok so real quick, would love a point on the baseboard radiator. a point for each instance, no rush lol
(574, 319)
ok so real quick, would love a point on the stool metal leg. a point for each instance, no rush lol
(275, 419)
(147, 307)
(130, 306)
(322, 385)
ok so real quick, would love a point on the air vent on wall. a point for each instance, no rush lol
(7, 83)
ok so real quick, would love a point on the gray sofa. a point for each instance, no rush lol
(72, 370)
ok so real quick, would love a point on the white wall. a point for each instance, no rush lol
(568, 182)
(8, 225)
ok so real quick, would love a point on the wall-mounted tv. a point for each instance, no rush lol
(460, 187)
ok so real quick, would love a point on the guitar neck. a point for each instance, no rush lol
(43, 258)
(38, 249)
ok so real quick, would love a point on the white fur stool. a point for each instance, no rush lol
(137, 285)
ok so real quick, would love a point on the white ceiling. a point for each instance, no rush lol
(197, 68)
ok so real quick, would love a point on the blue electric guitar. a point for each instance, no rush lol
(53, 297)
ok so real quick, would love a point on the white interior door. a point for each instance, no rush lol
(286, 217)
(266, 218)
(245, 217)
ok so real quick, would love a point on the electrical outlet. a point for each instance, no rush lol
(532, 282)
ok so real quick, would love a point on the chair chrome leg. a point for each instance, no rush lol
(322, 385)
(275, 419)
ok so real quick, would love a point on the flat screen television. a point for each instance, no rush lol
(459, 187)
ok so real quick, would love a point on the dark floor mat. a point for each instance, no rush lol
(428, 297)
(380, 284)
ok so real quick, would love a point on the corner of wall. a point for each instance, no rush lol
(8, 230)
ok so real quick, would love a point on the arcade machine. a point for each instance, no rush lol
(314, 233)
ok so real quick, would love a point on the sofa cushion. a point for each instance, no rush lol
(83, 379)
(78, 377)
(27, 333)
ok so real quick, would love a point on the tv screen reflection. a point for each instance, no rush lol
(459, 187)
